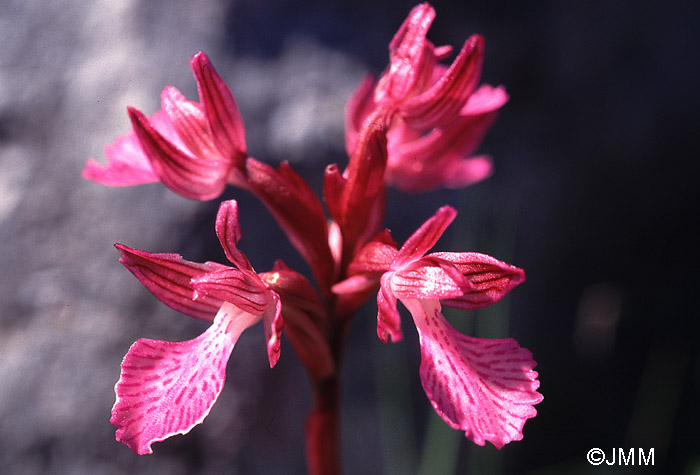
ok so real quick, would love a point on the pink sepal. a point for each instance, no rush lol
(166, 388)
(388, 319)
(491, 279)
(442, 157)
(441, 103)
(411, 58)
(127, 165)
(425, 237)
(484, 100)
(375, 256)
(244, 290)
(190, 176)
(357, 109)
(188, 119)
(429, 279)
(273, 325)
(168, 277)
(228, 230)
(224, 118)
(487, 388)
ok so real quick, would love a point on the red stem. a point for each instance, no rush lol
(322, 429)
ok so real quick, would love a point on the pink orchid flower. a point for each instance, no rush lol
(437, 115)
(487, 388)
(193, 148)
(166, 388)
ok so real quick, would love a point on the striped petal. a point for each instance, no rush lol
(425, 237)
(166, 388)
(388, 318)
(491, 279)
(127, 164)
(168, 276)
(192, 177)
(487, 388)
(221, 110)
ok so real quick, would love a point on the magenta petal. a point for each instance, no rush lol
(388, 318)
(491, 279)
(487, 388)
(168, 277)
(375, 256)
(190, 122)
(192, 177)
(166, 388)
(426, 236)
(127, 165)
(439, 158)
(410, 66)
(442, 102)
(228, 230)
(468, 171)
(222, 112)
(429, 279)
(243, 289)
(484, 100)
(356, 283)
(273, 324)
(364, 188)
(357, 109)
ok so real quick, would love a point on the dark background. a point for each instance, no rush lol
(595, 195)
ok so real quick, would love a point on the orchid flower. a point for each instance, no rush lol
(167, 388)
(487, 388)
(193, 148)
(417, 127)
(437, 115)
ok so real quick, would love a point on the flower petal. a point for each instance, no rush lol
(364, 188)
(127, 165)
(425, 237)
(190, 122)
(412, 58)
(491, 279)
(388, 318)
(468, 171)
(442, 102)
(228, 230)
(439, 158)
(375, 256)
(168, 277)
(242, 289)
(222, 112)
(487, 388)
(357, 109)
(429, 279)
(484, 100)
(192, 177)
(166, 388)
(273, 325)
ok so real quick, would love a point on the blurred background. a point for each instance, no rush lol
(595, 195)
